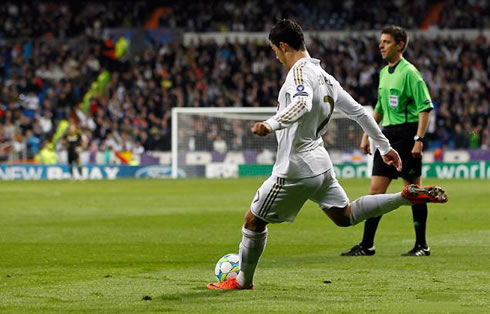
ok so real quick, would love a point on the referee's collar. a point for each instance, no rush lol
(392, 69)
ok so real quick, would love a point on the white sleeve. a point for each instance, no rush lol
(301, 91)
(355, 111)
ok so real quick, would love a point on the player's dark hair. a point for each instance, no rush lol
(289, 32)
(398, 33)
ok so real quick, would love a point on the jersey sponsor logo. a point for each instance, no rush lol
(300, 88)
(393, 101)
(300, 94)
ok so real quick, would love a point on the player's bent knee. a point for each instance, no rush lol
(343, 222)
(253, 223)
(340, 216)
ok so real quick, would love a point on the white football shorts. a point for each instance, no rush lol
(280, 199)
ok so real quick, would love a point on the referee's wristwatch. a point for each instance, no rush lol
(418, 138)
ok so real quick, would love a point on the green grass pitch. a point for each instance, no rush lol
(102, 246)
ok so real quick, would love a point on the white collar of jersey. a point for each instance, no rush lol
(312, 60)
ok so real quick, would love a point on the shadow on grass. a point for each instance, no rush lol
(196, 294)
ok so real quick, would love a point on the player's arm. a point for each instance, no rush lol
(301, 103)
(284, 118)
(417, 150)
(355, 111)
(378, 116)
(421, 96)
(365, 145)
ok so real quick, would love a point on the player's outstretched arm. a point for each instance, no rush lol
(393, 159)
(365, 144)
(355, 111)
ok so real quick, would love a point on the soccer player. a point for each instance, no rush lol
(75, 143)
(404, 105)
(303, 169)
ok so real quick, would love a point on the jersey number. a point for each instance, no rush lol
(329, 100)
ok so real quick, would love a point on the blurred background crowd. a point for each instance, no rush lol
(51, 52)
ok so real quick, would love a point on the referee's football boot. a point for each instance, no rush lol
(230, 284)
(359, 250)
(424, 194)
(418, 250)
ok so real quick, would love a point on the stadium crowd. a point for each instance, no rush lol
(323, 15)
(70, 18)
(67, 19)
(43, 79)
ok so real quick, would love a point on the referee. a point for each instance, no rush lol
(404, 106)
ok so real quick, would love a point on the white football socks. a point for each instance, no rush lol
(375, 205)
(251, 248)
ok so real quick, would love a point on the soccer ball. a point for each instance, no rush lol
(227, 267)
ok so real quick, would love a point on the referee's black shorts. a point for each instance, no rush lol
(401, 139)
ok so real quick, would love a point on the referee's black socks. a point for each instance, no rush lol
(370, 227)
(420, 222)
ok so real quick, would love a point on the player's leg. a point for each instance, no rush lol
(254, 231)
(71, 159)
(379, 185)
(376, 205)
(420, 213)
(365, 207)
(254, 239)
(371, 205)
(79, 165)
(412, 172)
(333, 200)
(382, 175)
(276, 201)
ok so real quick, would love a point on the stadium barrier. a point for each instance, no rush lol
(440, 170)
(93, 172)
(261, 37)
(468, 170)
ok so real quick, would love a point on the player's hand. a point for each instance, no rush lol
(365, 145)
(417, 149)
(393, 159)
(261, 129)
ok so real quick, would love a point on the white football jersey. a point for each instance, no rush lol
(306, 102)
